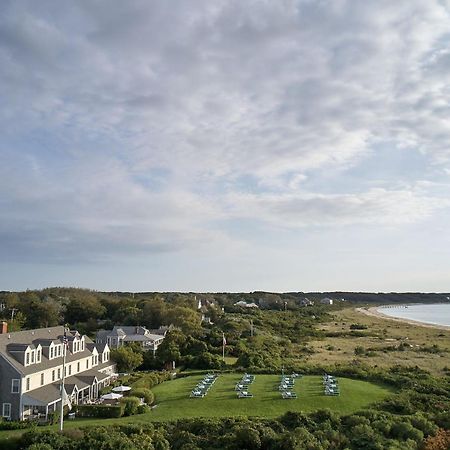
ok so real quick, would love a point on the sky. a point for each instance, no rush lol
(225, 145)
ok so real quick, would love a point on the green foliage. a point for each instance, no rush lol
(13, 425)
(100, 411)
(126, 358)
(358, 326)
(83, 307)
(143, 409)
(144, 393)
(130, 405)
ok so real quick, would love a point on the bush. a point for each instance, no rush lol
(144, 393)
(8, 425)
(149, 379)
(131, 405)
(358, 326)
(100, 411)
(142, 409)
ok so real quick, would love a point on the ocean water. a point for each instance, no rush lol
(438, 314)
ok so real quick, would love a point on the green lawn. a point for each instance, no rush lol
(173, 402)
(172, 397)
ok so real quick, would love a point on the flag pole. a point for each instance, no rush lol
(61, 418)
(223, 347)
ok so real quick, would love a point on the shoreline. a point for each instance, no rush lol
(373, 311)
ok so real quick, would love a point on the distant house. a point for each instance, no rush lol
(243, 304)
(326, 301)
(306, 302)
(120, 335)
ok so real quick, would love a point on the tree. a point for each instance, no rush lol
(126, 358)
(83, 308)
(247, 437)
(188, 320)
(154, 313)
(17, 323)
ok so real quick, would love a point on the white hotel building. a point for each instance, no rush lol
(31, 370)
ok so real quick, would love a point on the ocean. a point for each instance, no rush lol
(437, 314)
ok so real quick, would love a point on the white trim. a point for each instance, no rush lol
(3, 410)
(12, 386)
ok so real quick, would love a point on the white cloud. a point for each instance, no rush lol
(96, 95)
(375, 207)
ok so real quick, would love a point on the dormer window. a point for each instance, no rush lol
(27, 363)
(32, 356)
(38, 356)
(51, 353)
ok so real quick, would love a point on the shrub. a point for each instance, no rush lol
(100, 411)
(5, 425)
(358, 326)
(149, 379)
(142, 409)
(144, 393)
(130, 405)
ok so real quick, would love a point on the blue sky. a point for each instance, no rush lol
(225, 145)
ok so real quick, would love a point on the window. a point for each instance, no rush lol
(15, 386)
(87, 364)
(28, 384)
(51, 352)
(93, 360)
(42, 378)
(38, 358)
(28, 360)
(70, 370)
(32, 357)
(78, 367)
(82, 345)
(59, 374)
(6, 409)
(53, 375)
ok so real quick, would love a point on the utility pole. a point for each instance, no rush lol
(13, 311)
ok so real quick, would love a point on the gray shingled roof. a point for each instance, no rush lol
(142, 338)
(43, 396)
(21, 339)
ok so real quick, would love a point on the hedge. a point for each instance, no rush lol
(101, 411)
(12, 425)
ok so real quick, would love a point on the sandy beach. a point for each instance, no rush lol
(373, 311)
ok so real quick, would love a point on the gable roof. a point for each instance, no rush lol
(20, 340)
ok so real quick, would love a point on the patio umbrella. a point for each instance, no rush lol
(122, 389)
(111, 396)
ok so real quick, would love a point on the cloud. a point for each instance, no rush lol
(129, 127)
(375, 207)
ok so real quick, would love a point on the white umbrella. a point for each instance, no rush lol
(122, 389)
(111, 396)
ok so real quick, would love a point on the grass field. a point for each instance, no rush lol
(381, 333)
(173, 402)
(173, 397)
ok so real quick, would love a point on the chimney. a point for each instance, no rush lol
(3, 327)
